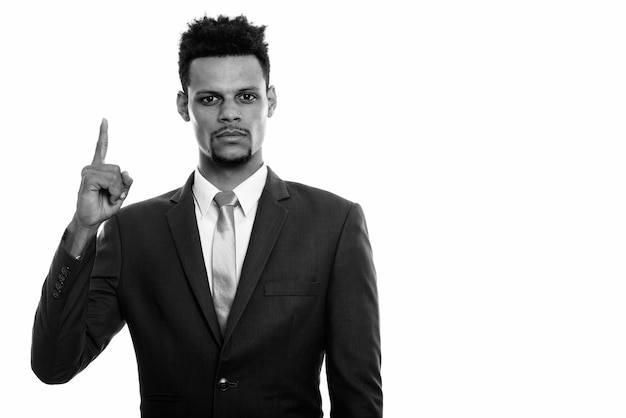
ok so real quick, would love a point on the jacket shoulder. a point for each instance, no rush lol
(161, 203)
(314, 199)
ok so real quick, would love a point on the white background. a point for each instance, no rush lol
(485, 141)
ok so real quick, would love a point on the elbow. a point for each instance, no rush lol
(46, 374)
(43, 367)
(50, 378)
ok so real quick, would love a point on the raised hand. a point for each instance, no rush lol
(102, 191)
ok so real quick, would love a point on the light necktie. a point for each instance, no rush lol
(224, 261)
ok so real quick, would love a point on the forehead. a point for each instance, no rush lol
(231, 72)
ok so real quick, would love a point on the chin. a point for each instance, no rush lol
(232, 161)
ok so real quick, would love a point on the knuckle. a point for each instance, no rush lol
(108, 176)
(87, 176)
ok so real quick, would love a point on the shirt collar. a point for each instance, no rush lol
(248, 192)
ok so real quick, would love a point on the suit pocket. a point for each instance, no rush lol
(284, 288)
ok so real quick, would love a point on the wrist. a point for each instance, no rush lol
(76, 237)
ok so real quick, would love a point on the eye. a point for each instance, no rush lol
(247, 97)
(209, 100)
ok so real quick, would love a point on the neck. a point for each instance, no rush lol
(227, 178)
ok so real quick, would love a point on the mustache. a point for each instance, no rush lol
(230, 131)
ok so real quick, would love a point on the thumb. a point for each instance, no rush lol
(127, 181)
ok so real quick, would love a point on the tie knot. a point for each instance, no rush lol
(226, 199)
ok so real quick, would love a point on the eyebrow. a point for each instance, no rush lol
(208, 91)
(253, 88)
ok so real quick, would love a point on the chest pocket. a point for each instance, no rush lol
(285, 288)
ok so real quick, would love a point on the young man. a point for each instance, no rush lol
(233, 286)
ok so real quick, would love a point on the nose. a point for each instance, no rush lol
(229, 112)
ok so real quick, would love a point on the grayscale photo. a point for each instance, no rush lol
(341, 209)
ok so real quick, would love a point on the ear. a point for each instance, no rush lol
(182, 102)
(271, 101)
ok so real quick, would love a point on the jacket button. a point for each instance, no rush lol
(56, 294)
(222, 384)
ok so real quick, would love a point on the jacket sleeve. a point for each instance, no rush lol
(353, 356)
(78, 312)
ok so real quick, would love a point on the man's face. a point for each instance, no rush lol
(228, 103)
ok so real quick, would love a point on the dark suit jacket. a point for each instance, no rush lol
(307, 288)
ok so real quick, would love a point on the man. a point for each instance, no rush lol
(233, 286)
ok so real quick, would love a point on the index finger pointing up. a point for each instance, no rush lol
(103, 143)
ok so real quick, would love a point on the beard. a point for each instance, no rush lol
(232, 161)
(225, 160)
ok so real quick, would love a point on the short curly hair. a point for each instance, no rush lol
(221, 37)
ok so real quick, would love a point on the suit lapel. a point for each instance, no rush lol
(268, 223)
(184, 229)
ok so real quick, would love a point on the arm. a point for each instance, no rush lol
(352, 322)
(77, 316)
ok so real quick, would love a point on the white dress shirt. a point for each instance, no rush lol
(248, 194)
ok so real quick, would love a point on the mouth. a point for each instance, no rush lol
(230, 133)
